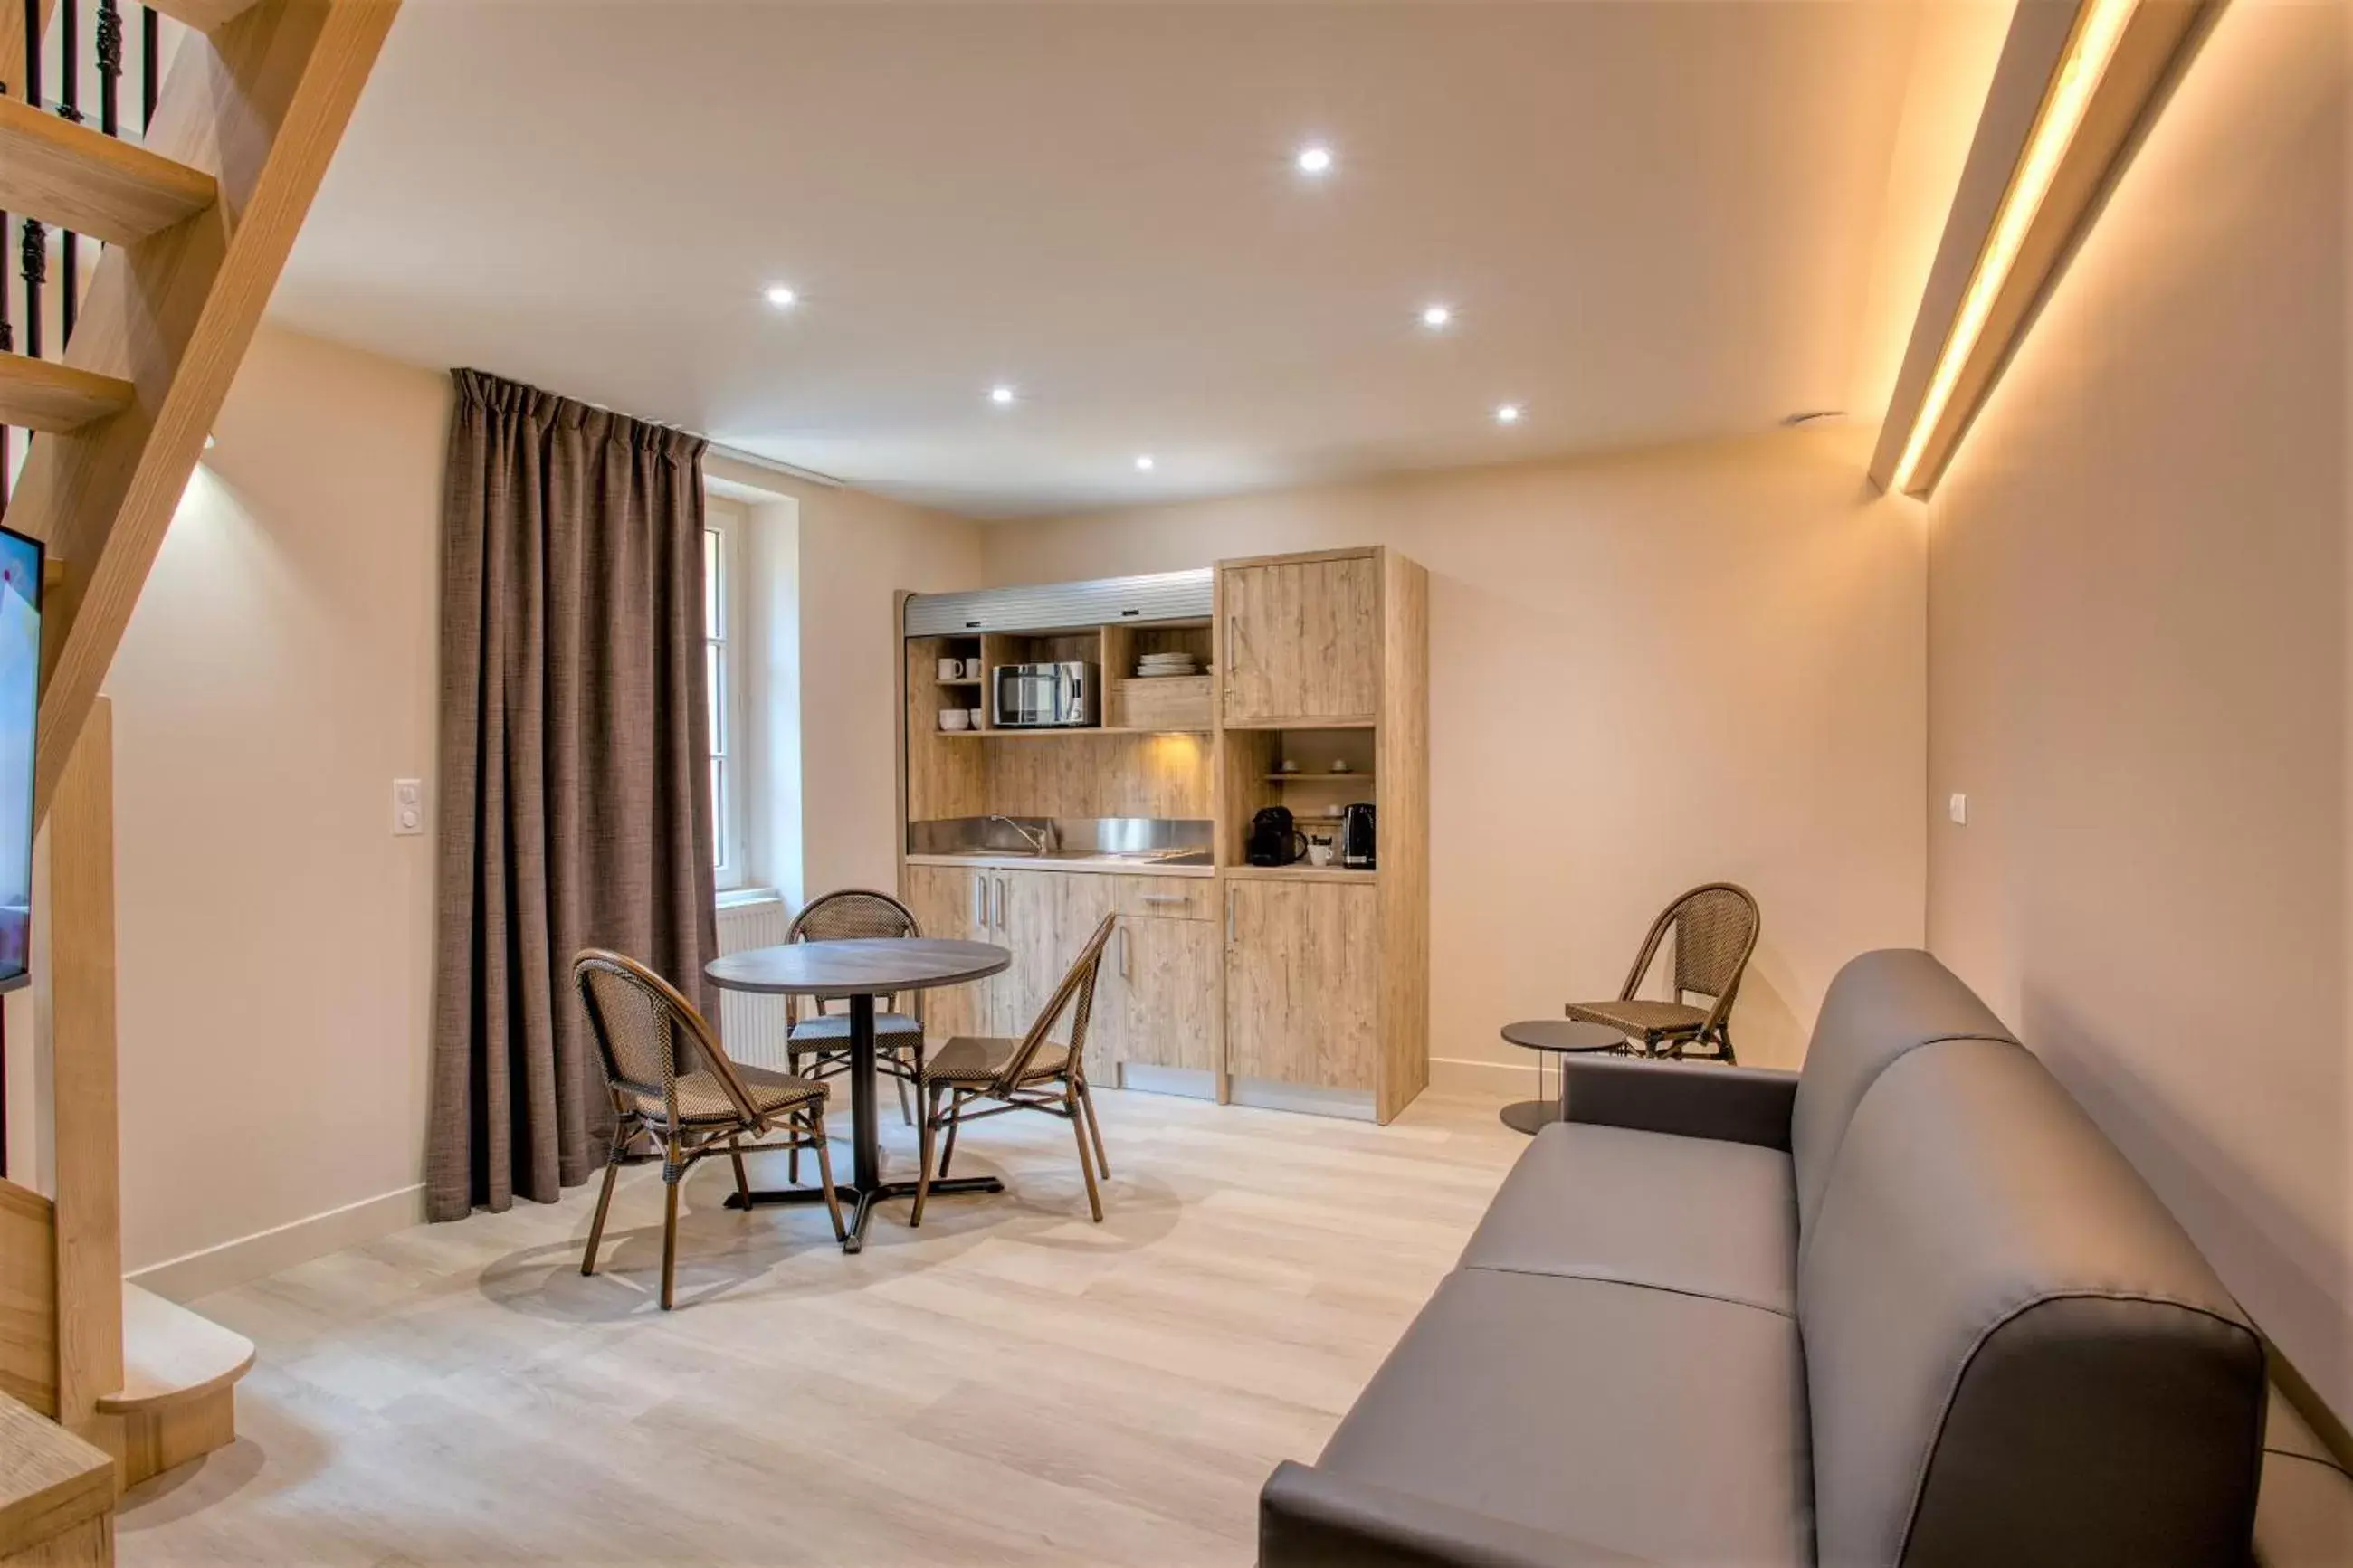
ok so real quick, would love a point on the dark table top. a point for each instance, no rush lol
(866, 966)
(1560, 1034)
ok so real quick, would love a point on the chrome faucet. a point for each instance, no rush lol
(1040, 840)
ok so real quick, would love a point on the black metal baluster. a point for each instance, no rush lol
(109, 66)
(33, 254)
(149, 34)
(69, 107)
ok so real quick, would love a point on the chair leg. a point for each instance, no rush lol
(1094, 1127)
(670, 1221)
(1086, 1165)
(947, 1149)
(604, 1202)
(923, 1170)
(905, 1114)
(825, 1171)
(743, 1181)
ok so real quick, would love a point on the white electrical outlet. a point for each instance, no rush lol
(1958, 807)
(407, 808)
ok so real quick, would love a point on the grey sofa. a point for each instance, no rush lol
(1906, 1307)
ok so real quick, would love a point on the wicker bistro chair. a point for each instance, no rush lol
(671, 1080)
(1715, 930)
(825, 1035)
(1032, 1073)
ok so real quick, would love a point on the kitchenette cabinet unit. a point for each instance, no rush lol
(1301, 985)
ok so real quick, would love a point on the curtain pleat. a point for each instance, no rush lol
(576, 804)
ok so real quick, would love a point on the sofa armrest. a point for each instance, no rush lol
(1731, 1105)
(1309, 1518)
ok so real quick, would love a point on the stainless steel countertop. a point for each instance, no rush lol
(1135, 865)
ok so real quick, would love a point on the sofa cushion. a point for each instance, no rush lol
(1879, 1005)
(2303, 1515)
(1692, 1215)
(1668, 1427)
(2013, 1355)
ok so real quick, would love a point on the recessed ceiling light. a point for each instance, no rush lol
(1315, 158)
(781, 297)
(1000, 394)
(1508, 414)
(1144, 462)
(1437, 317)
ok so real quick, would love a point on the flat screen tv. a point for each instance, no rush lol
(20, 706)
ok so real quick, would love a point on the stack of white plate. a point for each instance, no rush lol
(1158, 664)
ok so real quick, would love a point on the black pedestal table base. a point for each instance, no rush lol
(830, 968)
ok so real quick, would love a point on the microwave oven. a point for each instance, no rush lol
(1043, 696)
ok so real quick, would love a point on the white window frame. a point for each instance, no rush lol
(726, 756)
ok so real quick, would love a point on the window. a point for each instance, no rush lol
(719, 669)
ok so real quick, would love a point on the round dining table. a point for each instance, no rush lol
(859, 969)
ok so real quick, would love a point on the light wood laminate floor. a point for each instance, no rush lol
(1009, 1385)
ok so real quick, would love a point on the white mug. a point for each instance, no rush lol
(976, 717)
(972, 669)
(1319, 852)
(951, 669)
(954, 718)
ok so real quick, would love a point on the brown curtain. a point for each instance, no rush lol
(576, 795)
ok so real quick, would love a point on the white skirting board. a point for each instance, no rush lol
(249, 1257)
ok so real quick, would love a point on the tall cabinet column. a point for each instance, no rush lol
(1321, 702)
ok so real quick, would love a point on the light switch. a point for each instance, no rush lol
(1958, 808)
(407, 808)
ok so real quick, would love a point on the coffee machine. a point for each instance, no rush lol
(1356, 837)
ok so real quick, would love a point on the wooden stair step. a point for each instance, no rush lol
(42, 394)
(65, 174)
(204, 16)
(171, 1355)
(51, 1482)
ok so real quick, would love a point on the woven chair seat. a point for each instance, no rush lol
(1645, 1020)
(972, 1060)
(830, 1031)
(703, 1102)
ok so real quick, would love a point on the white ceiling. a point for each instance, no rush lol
(1655, 220)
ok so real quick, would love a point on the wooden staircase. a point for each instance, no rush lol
(196, 224)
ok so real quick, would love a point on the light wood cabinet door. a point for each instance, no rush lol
(952, 902)
(1049, 915)
(1302, 977)
(1301, 640)
(1164, 980)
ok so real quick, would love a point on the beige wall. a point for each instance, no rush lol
(1647, 671)
(274, 935)
(2138, 674)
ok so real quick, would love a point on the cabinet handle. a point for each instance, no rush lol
(996, 902)
(980, 903)
(1229, 917)
(1166, 899)
(1122, 952)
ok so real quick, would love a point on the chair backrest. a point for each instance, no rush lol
(1076, 995)
(847, 915)
(1715, 930)
(851, 913)
(647, 1036)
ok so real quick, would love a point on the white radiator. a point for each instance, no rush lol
(752, 1028)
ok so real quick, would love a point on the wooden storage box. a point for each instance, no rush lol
(1165, 702)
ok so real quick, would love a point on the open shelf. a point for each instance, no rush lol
(1323, 776)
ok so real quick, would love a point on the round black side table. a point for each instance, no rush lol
(1551, 1039)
